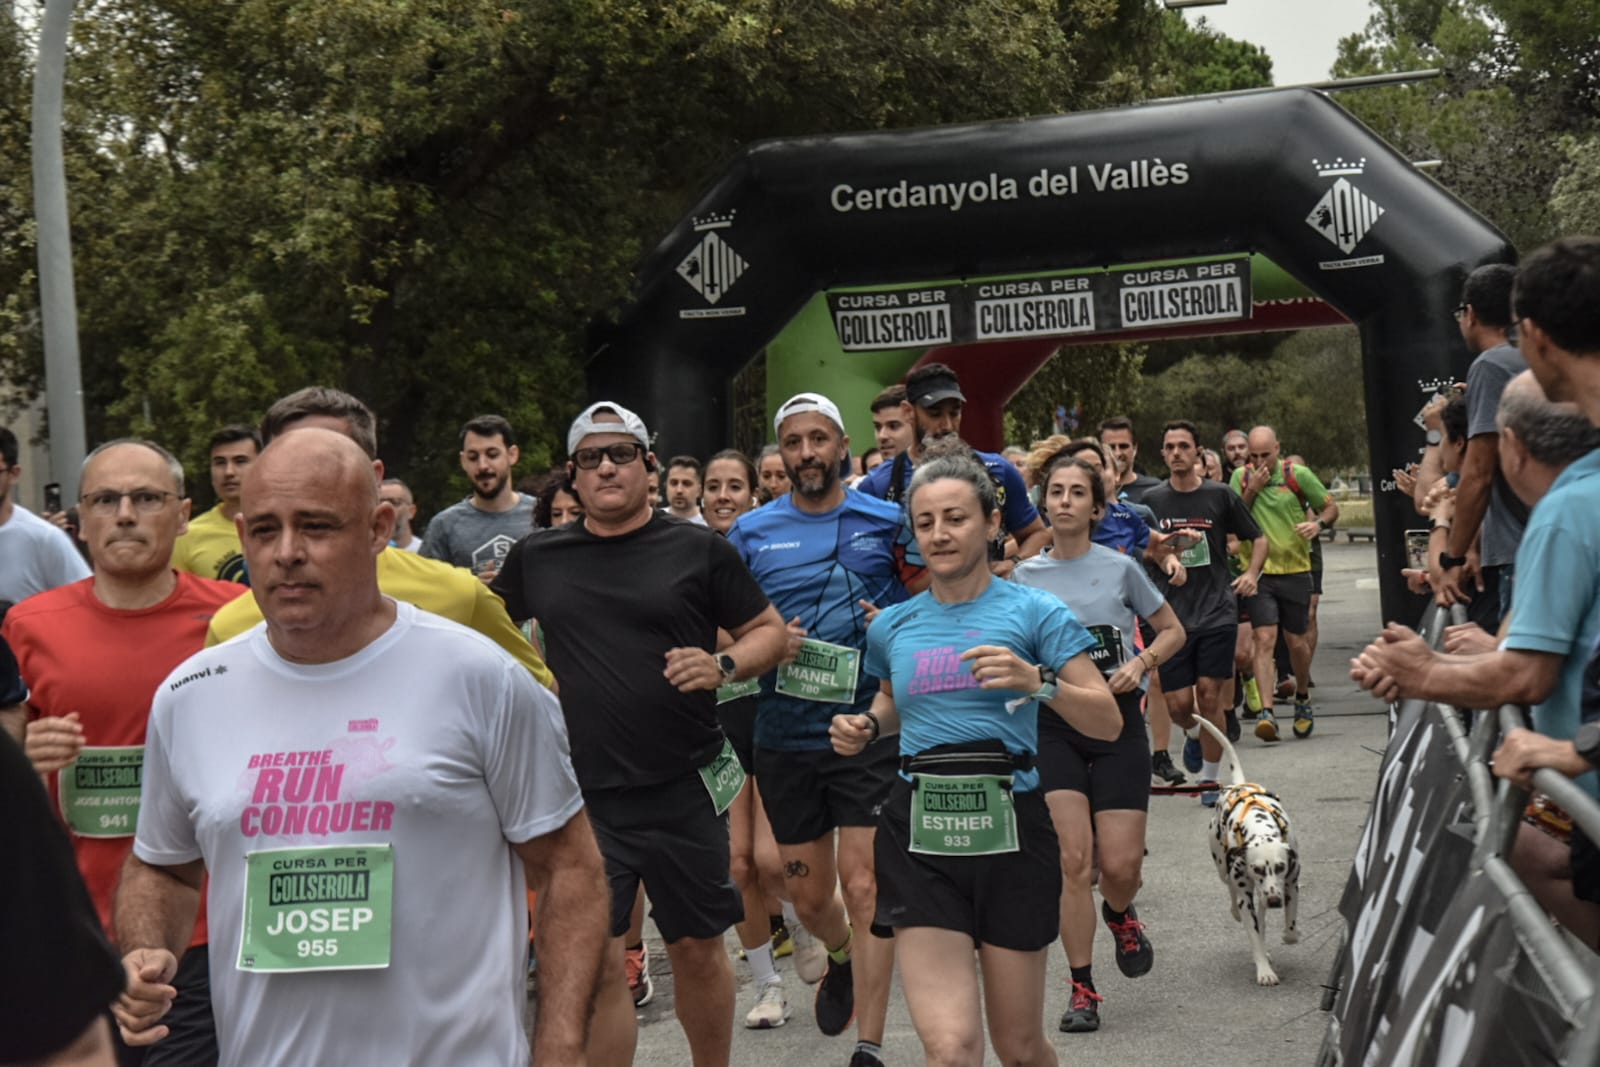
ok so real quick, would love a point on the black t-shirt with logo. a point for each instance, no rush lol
(70, 974)
(610, 608)
(1205, 601)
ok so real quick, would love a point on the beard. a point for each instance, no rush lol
(812, 480)
(495, 488)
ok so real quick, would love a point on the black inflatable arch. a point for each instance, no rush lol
(1288, 174)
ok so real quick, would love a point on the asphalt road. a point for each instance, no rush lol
(1200, 1004)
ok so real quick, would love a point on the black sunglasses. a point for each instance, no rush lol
(621, 453)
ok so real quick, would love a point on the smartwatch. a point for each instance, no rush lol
(1047, 684)
(726, 665)
(1434, 437)
(1449, 562)
(1587, 742)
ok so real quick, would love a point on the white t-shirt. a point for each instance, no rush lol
(35, 555)
(441, 746)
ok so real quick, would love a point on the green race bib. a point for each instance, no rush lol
(965, 815)
(822, 672)
(723, 777)
(100, 791)
(1197, 554)
(1107, 653)
(738, 690)
(324, 908)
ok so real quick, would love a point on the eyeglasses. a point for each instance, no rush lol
(621, 453)
(109, 501)
(1461, 309)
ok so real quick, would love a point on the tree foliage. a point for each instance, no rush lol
(428, 201)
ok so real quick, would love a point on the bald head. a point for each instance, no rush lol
(312, 527)
(1552, 434)
(1263, 446)
(314, 455)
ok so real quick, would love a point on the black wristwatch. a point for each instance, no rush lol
(1587, 742)
(877, 727)
(1449, 562)
(728, 668)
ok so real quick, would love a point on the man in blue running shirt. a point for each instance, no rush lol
(828, 558)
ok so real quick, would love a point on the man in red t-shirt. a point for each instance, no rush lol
(92, 654)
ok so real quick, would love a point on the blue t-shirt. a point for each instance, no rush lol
(817, 567)
(1558, 594)
(1016, 510)
(917, 645)
(1123, 528)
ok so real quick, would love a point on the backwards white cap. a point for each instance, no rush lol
(585, 424)
(801, 403)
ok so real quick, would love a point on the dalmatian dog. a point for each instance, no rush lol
(1254, 850)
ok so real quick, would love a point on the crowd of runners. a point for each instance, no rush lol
(896, 711)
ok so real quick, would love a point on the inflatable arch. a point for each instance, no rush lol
(1003, 234)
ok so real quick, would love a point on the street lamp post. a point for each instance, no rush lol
(58, 305)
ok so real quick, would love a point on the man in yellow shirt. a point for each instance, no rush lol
(429, 584)
(210, 548)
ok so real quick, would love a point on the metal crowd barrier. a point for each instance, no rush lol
(1447, 957)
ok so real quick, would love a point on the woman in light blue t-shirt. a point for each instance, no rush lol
(965, 854)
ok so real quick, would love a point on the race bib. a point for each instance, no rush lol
(821, 672)
(962, 815)
(1107, 653)
(100, 791)
(1197, 555)
(738, 690)
(324, 908)
(724, 777)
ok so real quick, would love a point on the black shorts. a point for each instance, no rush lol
(1010, 901)
(738, 719)
(1114, 775)
(192, 1037)
(669, 837)
(1283, 600)
(1207, 654)
(809, 793)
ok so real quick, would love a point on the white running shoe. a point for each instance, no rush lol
(772, 1007)
(810, 955)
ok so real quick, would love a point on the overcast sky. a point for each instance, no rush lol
(1301, 36)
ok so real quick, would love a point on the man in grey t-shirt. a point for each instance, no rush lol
(478, 532)
(1487, 513)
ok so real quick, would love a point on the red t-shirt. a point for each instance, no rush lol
(76, 654)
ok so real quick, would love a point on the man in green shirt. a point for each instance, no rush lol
(1278, 495)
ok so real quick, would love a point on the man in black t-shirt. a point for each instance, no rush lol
(630, 602)
(1205, 603)
(58, 997)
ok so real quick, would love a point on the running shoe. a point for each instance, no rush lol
(1304, 720)
(1192, 759)
(836, 998)
(863, 1058)
(772, 1007)
(1267, 726)
(1083, 1015)
(782, 941)
(1162, 770)
(636, 965)
(1209, 791)
(1231, 722)
(1252, 698)
(810, 957)
(1135, 956)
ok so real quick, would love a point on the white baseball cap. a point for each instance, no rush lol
(585, 424)
(801, 403)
